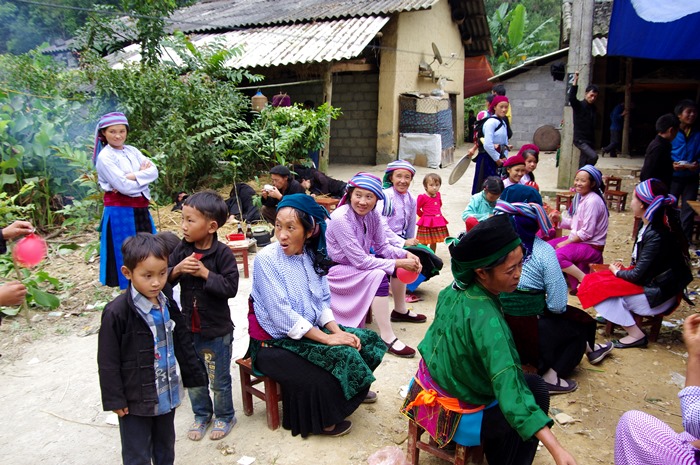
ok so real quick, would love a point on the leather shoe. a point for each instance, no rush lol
(597, 356)
(370, 398)
(406, 352)
(340, 429)
(407, 318)
(643, 342)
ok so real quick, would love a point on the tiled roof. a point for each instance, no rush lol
(228, 14)
(320, 41)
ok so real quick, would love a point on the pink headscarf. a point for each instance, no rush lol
(496, 100)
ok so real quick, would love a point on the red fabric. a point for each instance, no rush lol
(597, 287)
(471, 222)
(477, 71)
(115, 199)
(254, 329)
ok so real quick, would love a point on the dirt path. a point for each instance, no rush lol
(51, 412)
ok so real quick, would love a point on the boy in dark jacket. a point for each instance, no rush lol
(142, 339)
(657, 160)
(208, 275)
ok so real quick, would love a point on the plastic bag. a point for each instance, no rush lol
(389, 455)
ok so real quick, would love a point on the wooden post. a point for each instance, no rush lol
(580, 44)
(628, 104)
(327, 96)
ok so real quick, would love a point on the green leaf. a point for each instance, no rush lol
(44, 299)
(11, 311)
(516, 29)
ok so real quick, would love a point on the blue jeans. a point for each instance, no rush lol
(216, 355)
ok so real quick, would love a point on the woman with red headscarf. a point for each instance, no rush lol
(495, 145)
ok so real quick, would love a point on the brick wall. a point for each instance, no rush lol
(537, 100)
(354, 133)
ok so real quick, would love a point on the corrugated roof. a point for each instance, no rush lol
(320, 41)
(227, 14)
(602, 11)
(599, 47)
(529, 64)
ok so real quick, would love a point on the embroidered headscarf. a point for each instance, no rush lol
(370, 183)
(496, 100)
(528, 218)
(596, 186)
(107, 120)
(485, 243)
(396, 165)
(654, 202)
(317, 214)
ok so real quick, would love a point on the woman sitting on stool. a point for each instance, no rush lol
(325, 370)
(659, 272)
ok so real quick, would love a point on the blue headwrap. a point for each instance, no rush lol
(596, 178)
(528, 218)
(646, 195)
(107, 120)
(370, 183)
(521, 193)
(317, 214)
(396, 165)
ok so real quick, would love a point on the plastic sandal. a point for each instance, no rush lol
(198, 428)
(411, 298)
(221, 426)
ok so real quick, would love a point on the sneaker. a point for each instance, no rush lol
(597, 356)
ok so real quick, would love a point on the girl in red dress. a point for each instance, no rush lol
(432, 225)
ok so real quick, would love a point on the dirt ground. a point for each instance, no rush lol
(49, 393)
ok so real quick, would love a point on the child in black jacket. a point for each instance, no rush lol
(208, 275)
(142, 340)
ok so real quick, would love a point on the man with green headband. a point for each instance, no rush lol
(470, 361)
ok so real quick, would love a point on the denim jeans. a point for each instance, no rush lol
(216, 355)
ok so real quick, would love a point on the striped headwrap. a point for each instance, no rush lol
(644, 193)
(370, 183)
(596, 186)
(107, 120)
(528, 218)
(396, 165)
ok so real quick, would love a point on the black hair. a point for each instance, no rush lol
(321, 262)
(499, 89)
(431, 177)
(666, 122)
(280, 170)
(683, 104)
(210, 204)
(138, 248)
(171, 240)
(101, 132)
(532, 152)
(592, 88)
(490, 97)
(494, 185)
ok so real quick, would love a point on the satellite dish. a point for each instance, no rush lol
(437, 54)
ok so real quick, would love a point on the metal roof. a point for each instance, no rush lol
(320, 41)
(228, 14)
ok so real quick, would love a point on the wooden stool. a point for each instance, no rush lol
(271, 395)
(459, 456)
(617, 198)
(328, 202)
(242, 250)
(652, 322)
(612, 183)
(564, 198)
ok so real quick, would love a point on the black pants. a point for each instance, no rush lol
(502, 444)
(147, 440)
(588, 154)
(686, 188)
(562, 343)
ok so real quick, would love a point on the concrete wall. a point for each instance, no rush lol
(536, 100)
(407, 41)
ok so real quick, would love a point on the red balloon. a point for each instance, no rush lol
(405, 276)
(30, 250)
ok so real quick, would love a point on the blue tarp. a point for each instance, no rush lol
(655, 29)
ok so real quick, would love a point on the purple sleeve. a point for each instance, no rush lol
(589, 214)
(690, 409)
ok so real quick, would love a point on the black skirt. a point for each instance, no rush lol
(311, 397)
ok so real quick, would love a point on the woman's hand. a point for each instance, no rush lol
(560, 455)
(16, 229)
(411, 242)
(275, 193)
(145, 165)
(563, 244)
(555, 216)
(615, 267)
(499, 162)
(344, 339)
(410, 263)
(691, 334)
(12, 293)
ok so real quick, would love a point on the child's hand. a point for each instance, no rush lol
(122, 411)
(191, 265)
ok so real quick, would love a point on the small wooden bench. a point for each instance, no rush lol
(617, 199)
(612, 183)
(271, 395)
(459, 456)
(564, 199)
